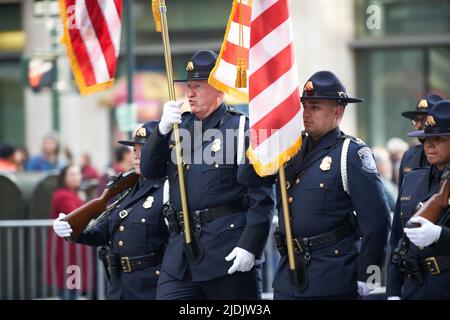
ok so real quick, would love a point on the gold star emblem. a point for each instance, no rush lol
(423, 104)
(430, 122)
(141, 132)
(309, 86)
(190, 66)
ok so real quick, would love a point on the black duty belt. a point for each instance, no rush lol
(119, 264)
(302, 244)
(436, 265)
(203, 216)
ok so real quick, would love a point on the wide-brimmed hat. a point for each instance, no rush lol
(141, 135)
(326, 85)
(423, 106)
(437, 122)
(200, 65)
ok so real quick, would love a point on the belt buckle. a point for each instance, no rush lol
(125, 262)
(432, 265)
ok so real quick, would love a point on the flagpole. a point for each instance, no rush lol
(169, 72)
(287, 220)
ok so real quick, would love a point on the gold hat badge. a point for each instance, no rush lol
(190, 66)
(309, 86)
(423, 104)
(141, 132)
(430, 122)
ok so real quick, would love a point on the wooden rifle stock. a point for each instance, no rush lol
(80, 217)
(432, 208)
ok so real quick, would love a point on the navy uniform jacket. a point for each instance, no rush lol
(210, 185)
(144, 231)
(412, 159)
(418, 186)
(320, 204)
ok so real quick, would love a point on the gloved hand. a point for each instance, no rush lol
(394, 298)
(363, 289)
(243, 260)
(425, 235)
(171, 114)
(62, 228)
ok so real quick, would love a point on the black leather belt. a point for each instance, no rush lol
(436, 265)
(308, 244)
(119, 264)
(302, 244)
(208, 215)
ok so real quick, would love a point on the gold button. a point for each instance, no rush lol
(231, 225)
(157, 272)
(288, 185)
(120, 243)
(297, 181)
(121, 228)
(142, 220)
(216, 165)
(336, 252)
(290, 199)
(322, 185)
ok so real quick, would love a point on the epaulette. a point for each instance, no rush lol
(236, 112)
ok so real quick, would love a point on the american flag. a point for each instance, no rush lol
(235, 46)
(92, 38)
(274, 107)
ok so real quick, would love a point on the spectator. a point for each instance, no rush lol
(384, 166)
(62, 254)
(396, 148)
(49, 159)
(87, 170)
(123, 162)
(7, 158)
(21, 158)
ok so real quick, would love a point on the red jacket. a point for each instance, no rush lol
(61, 254)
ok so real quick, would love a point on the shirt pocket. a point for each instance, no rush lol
(321, 193)
(143, 228)
(218, 178)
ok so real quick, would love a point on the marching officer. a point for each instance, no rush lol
(415, 156)
(230, 207)
(420, 265)
(134, 230)
(335, 199)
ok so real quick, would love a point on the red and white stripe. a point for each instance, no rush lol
(274, 97)
(224, 74)
(92, 36)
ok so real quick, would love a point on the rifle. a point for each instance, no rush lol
(432, 208)
(80, 217)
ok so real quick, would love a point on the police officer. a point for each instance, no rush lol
(230, 207)
(134, 230)
(332, 177)
(415, 156)
(420, 264)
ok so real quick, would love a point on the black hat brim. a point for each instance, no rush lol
(191, 79)
(412, 114)
(423, 134)
(345, 100)
(130, 143)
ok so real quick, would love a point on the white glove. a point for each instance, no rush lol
(363, 289)
(425, 235)
(62, 228)
(394, 298)
(171, 114)
(243, 260)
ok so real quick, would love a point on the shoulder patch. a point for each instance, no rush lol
(367, 160)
